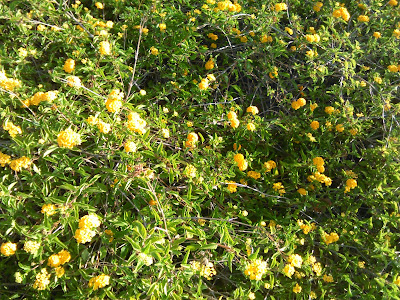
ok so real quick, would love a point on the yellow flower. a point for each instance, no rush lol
(105, 48)
(266, 39)
(295, 260)
(210, 64)
(280, 6)
(68, 139)
(330, 238)
(269, 165)
(190, 171)
(327, 278)
(232, 186)
(251, 127)
(392, 68)
(19, 163)
(136, 123)
(60, 271)
(212, 36)
(49, 209)
(154, 50)
(232, 115)
(256, 269)
(297, 289)
(203, 85)
(113, 105)
(302, 191)
(130, 146)
(252, 109)
(12, 129)
(99, 281)
(69, 65)
(99, 5)
(339, 127)
(42, 280)
(289, 30)
(377, 34)
(31, 247)
(363, 18)
(8, 249)
(314, 125)
(242, 165)
(392, 2)
(254, 174)
(329, 110)
(165, 133)
(288, 270)
(74, 81)
(162, 27)
(317, 6)
(89, 221)
(84, 235)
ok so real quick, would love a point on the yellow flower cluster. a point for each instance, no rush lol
(20, 163)
(256, 269)
(241, 162)
(341, 12)
(209, 64)
(232, 186)
(302, 191)
(154, 50)
(350, 184)
(363, 18)
(394, 68)
(319, 163)
(298, 103)
(4, 159)
(278, 187)
(68, 139)
(305, 227)
(99, 282)
(42, 280)
(206, 270)
(339, 128)
(313, 38)
(8, 84)
(130, 146)
(38, 97)
(59, 259)
(317, 176)
(266, 39)
(162, 27)
(234, 121)
(49, 209)
(31, 246)
(114, 101)
(294, 260)
(8, 249)
(136, 123)
(69, 65)
(269, 165)
(191, 140)
(204, 84)
(12, 129)
(317, 6)
(330, 238)
(329, 110)
(250, 126)
(190, 171)
(327, 278)
(228, 5)
(212, 36)
(280, 6)
(252, 109)
(314, 125)
(74, 81)
(105, 48)
(393, 2)
(86, 230)
(254, 174)
(165, 133)
(297, 289)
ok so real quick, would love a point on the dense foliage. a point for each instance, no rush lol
(199, 150)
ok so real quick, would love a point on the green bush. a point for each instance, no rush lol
(199, 150)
